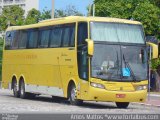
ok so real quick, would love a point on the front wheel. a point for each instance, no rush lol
(122, 104)
(73, 96)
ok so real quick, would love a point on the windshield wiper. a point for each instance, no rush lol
(128, 65)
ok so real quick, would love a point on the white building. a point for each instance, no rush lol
(25, 4)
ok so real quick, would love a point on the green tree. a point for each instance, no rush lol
(13, 15)
(33, 16)
(46, 14)
(142, 10)
(156, 2)
(69, 11)
(59, 13)
(148, 14)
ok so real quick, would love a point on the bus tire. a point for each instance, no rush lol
(15, 88)
(122, 104)
(23, 94)
(72, 96)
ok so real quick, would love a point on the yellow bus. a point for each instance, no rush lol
(79, 58)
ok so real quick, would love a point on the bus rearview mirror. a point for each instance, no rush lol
(154, 50)
(90, 47)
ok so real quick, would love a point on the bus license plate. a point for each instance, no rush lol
(120, 95)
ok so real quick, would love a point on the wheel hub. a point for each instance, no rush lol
(73, 94)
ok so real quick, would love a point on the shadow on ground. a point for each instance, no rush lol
(61, 101)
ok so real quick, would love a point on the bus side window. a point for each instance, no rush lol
(69, 35)
(66, 36)
(44, 38)
(33, 38)
(23, 39)
(8, 40)
(56, 37)
(15, 39)
(72, 36)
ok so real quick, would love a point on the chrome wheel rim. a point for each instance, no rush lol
(15, 87)
(73, 94)
(22, 90)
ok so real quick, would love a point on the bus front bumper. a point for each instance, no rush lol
(97, 94)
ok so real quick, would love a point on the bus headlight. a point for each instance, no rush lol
(141, 87)
(97, 85)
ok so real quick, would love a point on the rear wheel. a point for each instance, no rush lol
(15, 89)
(23, 93)
(22, 90)
(73, 96)
(122, 104)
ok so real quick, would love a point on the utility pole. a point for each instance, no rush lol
(52, 9)
(93, 10)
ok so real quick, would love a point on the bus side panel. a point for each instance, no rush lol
(68, 68)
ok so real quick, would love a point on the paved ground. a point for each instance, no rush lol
(43, 104)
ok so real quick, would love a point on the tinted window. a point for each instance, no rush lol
(15, 37)
(8, 40)
(23, 39)
(56, 37)
(82, 55)
(68, 36)
(33, 38)
(72, 39)
(82, 32)
(44, 38)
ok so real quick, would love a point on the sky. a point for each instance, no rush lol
(80, 5)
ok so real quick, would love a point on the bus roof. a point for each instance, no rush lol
(73, 19)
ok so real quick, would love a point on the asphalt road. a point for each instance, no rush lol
(45, 104)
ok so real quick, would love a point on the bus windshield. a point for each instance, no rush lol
(117, 32)
(120, 53)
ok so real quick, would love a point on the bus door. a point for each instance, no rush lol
(82, 59)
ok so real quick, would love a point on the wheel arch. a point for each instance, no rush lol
(70, 83)
(22, 78)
